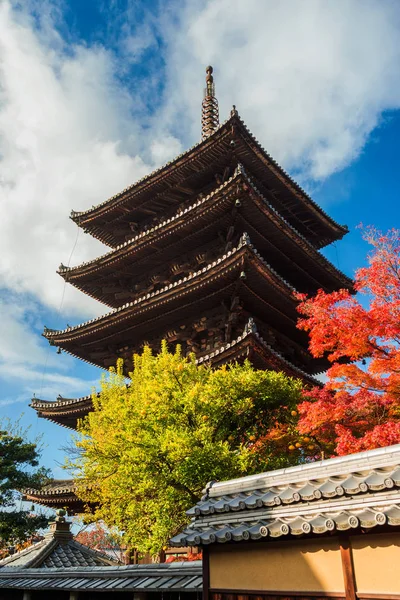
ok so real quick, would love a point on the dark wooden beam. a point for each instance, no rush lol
(348, 568)
(206, 572)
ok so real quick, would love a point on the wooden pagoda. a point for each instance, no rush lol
(206, 252)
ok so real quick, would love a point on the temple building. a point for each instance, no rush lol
(207, 252)
(328, 529)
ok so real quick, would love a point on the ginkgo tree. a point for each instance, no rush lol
(359, 407)
(148, 449)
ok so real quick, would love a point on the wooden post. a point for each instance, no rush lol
(348, 569)
(206, 572)
(27, 595)
(73, 595)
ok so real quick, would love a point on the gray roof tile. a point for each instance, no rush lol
(172, 576)
(360, 490)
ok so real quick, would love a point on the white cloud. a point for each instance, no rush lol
(27, 364)
(65, 131)
(311, 79)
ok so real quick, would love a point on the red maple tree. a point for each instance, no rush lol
(359, 407)
(102, 539)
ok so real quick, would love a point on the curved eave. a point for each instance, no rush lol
(63, 411)
(88, 219)
(59, 493)
(337, 231)
(91, 220)
(171, 231)
(251, 345)
(210, 273)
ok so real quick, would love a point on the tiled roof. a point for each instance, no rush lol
(172, 577)
(358, 491)
(58, 549)
(234, 120)
(50, 554)
(61, 402)
(164, 227)
(55, 487)
(244, 242)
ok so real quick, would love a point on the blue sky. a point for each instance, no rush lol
(96, 94)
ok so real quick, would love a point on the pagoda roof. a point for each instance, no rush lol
(146, 314)
(351, 493)
(252, 345)
(139, 252)
(60, 493)
(63, 411)
(183, 178)
(58, 549)
(249, 345)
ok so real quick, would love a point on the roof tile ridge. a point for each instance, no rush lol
(77, 214)
(249, 329)
(47, 550)
(289, 177)
(49, 332)
(244, 241)
(246, 236)
(331, 467)
(37, 402)
(91, 551)
(64, 269)
(37, 545)
(282, 218)
(279, 355)
(50, 488)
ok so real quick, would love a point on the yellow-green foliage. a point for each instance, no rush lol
(148, 450)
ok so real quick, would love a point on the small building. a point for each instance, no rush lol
(59, 568)
(324, 529)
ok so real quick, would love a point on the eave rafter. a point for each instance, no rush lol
(249, 345)
(205, 212)
(63, 411)
(230, 139)
(158, 310)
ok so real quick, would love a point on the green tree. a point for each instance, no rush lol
(147, 449)
(19, 469)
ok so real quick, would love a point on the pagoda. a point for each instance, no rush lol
(207, 252)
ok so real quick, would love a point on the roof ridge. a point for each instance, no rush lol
(239, 170)
(90, 551)
(244, 241)
(37, 402)
(143, 234)
(331, 467)
(289, 177)
(77, 214)
(251, 329)
(44, 542)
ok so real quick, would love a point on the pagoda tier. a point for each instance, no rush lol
(60, 493)
(180, 182)
(249, 345)
(202, 311)
(178, 246)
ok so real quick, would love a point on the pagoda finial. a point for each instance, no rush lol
(210, 112)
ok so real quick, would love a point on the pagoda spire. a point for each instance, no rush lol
(210, 112)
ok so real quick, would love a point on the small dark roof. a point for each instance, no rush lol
(63, 411)
(176, 576)
(57, 549)
(360, 491)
